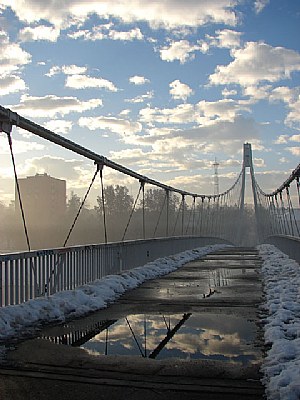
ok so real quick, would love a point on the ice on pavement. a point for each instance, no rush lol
(19, 319)
(281, 310)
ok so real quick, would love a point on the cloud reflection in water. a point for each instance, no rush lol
(202, 336)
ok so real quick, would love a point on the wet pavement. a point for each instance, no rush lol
(192, 334)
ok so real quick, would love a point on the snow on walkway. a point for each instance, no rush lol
(281, 367)
(19, 319)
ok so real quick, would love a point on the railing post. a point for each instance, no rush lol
(182, 222)
(167, 211)
(1, 287)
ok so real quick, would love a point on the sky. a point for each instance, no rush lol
(162, 87)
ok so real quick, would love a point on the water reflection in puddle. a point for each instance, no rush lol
(201, 283)
(184, 336)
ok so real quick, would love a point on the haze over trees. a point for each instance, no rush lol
(164, 215)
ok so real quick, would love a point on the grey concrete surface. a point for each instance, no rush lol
(40, 369)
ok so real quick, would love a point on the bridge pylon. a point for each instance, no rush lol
(248, 163)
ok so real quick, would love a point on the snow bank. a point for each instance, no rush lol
(281, 368)
(22, 319)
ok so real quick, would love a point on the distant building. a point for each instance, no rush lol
(43, 198)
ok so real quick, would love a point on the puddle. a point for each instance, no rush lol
(200, 284)
(142, 324)
(185, 336)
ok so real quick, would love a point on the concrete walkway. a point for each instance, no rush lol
(214, 352)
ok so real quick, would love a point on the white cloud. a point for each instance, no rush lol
(257, 93)
(224, 110)
(285, 94)
(141, 98)
(203, 46)
(229, 163)
(51, 105)
(181, 50)
(281, 139)
(12, 56)
(102, 32)
(164, 157)
(54, 71)
(259, 162)
(181, 149)
(19, 146)
(270, 180)
(85, 81)
(183, 113)
(77, 80)
(178, 149)
(11, 84)
(227, 93)
(41, 32)
(295, 138)
(203, 113)
(294, 150)
(77, 173)
(259, 5)
(67, 70)
(179, 90)
(138, 80)
(126, 36)
(290, 96)
(116, 125)
(55, 166)
(86, 35)
(59, 126)
(293, 117)
(94, 34)
(255, 63)
(73, 69)
(125, 112)
(131, 156)
(226, 38)
(283, 160)
(166, 13)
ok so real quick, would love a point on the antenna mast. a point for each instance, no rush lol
(216, 177)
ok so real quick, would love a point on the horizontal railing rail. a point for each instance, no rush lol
(27, 275)
(289, 245)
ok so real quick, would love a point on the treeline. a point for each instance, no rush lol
(155, 215)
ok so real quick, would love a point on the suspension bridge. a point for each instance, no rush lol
(214, 297)
(209, 219)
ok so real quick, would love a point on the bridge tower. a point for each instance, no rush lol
(247, 163)
(216, 177)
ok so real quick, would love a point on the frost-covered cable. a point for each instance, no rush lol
(132, 211)
(160, 214)
(103, 204)
(81, 206)
(293, 219)
(18, 190)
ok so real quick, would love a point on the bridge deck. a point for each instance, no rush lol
(217, 295)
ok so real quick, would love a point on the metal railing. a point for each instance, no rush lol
(27, 275)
